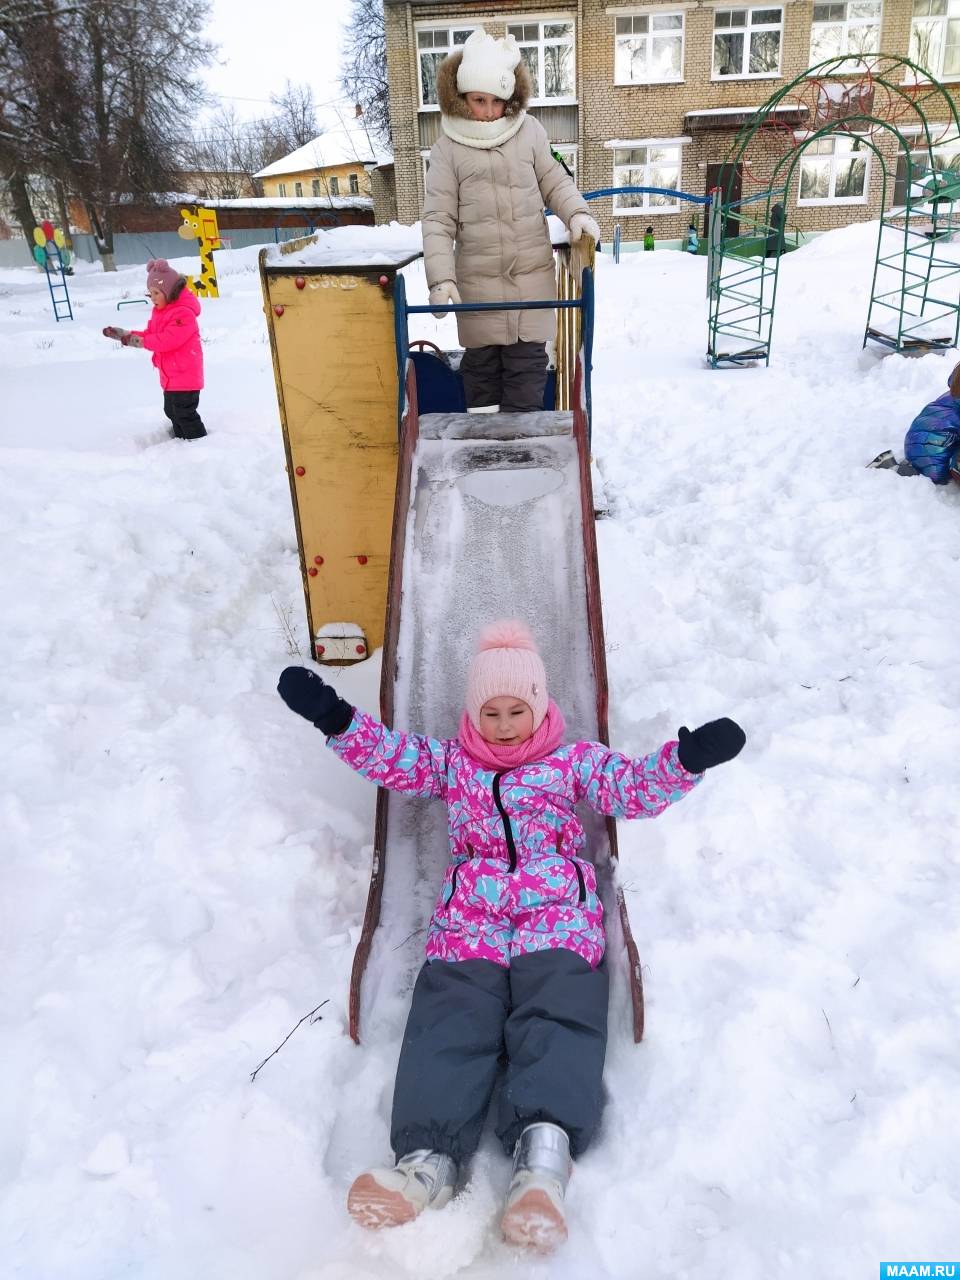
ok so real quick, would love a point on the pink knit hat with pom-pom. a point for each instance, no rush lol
(160, 275)
(507, 665)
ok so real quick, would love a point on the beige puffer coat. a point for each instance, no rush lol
(483, 220)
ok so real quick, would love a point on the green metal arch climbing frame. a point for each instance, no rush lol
(915, 295)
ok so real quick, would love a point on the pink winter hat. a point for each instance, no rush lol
(507, 665)
(160, 275)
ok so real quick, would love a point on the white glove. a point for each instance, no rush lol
(445, 291)
(582, 223)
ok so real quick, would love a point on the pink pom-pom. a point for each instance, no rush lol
(508, 633)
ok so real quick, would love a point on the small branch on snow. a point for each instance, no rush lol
(829, 1028)
(310, 1015)
(284, 616)
(407, 939)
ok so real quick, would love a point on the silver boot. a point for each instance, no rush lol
(389, 1197)
(533, 1215)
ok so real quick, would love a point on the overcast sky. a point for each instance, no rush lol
(261, 48)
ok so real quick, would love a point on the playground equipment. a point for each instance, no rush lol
(51, 253)
(884, 105)
(200, 224)
(407, 519)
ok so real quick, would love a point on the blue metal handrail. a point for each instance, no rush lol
(583, 304)
(639, 191)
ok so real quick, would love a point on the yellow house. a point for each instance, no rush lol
(335, 163)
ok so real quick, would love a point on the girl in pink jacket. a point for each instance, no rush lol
(173, 337)
(515, 945)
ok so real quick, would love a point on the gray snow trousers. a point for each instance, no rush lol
(546, 1016)
(513, 376)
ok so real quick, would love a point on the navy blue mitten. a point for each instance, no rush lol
(305, 693)
(711, 744)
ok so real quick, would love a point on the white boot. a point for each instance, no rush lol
(533, 1216)
(389, 1197)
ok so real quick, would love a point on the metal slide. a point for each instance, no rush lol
(494, 519)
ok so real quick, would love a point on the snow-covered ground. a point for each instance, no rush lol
(184, 866)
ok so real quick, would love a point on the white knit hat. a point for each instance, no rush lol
(488, 65)
(507, 665)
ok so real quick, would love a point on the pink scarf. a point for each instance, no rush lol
(541, 742)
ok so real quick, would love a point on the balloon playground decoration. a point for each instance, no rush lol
(51, 252)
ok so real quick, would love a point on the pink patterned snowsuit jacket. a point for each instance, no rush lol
(518, 880)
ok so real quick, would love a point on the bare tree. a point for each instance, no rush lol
(364, 77)
(228, 148)
(296, 114)
(99, 93)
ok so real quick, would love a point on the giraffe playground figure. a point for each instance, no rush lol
(200, 224)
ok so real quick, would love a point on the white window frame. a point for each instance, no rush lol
(298, 189)
(333, 185)
(847, 24)
(543, 42)
(315, 186)
(834, 156)
(746, 30)
(353, 184)
(651, 36)
(941, 22)
(570, 153)
(646, 209)
(281, 189)
(449, 30)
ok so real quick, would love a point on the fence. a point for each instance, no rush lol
(135, 249)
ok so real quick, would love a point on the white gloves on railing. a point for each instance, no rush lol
(445, 291)
(582, 223)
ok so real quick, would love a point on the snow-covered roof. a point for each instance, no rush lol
(743, 111)
(292, 202)
(619, 144)
(344, 140)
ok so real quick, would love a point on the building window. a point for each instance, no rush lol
(315, 186)
(298, 188)
(935, 37)
(334, 186)
(547, 50)
(852, 26)
(432, 47)
(567, 151)
(354, 185)
(281, 188)
(649, 166)
(649, 49)
(834, 170)
(746, 42)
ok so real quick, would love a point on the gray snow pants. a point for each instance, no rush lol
(546, 1016)
(512, 377)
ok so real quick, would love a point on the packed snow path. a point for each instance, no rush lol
(184, 864)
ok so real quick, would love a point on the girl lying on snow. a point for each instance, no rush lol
(932, 444)
(515, 943)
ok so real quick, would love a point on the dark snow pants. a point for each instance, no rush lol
(181, 408)
(546, 1016)
(512, 377)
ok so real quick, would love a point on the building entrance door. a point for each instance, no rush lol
(729, 178)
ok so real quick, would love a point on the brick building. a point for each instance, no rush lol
(335, 163)
(653, 93)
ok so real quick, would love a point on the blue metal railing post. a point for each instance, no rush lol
(586, 299)
(401, 339)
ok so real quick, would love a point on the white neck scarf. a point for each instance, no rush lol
(482, 133)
